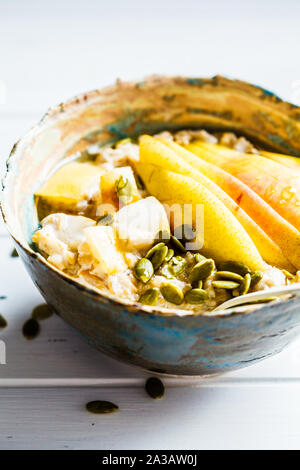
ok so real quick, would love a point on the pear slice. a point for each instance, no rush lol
(73, 188)
(138, 224)
(173, 157)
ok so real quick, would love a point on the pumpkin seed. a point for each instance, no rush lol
(246, 284)
(31, 328)
(185, 233)
(196, 296)
(177, 245)
(177, 265)
(41, 312)
(154, 387)
(124, 189)
(152, 250)
(14, 253)
(170, 254)
(256, 277)
(159, 257)
(229, 275)
(143, 270)
(172, 293)
(202, 270)
(101, 407)
(3, 322)
(149, 297)
(225, 284)
(235, 267)
(199, 258)
(287, 274)
(127, 140)
(106, 219)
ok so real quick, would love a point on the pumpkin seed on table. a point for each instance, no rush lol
(101, 407)
(149, 297)
(202, 270)
(229, 275)
(246, 284)
(196, 296)
(225, 284)
(14, 253)
(172, 293)
(124, 190)
(155, 388)
(143, 270)
(235, 267)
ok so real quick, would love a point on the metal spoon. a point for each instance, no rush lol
(260, 295)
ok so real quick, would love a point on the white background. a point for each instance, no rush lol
(49, 51)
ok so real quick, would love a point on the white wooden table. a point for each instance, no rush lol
(48, 52)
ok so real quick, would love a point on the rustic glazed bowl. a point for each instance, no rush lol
(166, 343)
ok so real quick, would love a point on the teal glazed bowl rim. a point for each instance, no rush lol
(160, 340)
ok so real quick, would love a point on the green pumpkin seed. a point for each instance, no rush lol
(199, 258)
(143, 270)
(149, 297)
(106, 219)
(101, 407)
(162, 236)
(196, 296)
(154, 387)
(256, 277)
(229, 275)
(202, 270)
(159, 257)
(177, 265)
(170, 254)
(152, 250)
(287, 274)
(41, 312)
(246, 284)
(172, 293)
(235, 267)
(124, 189)
(31, 328)
(225, 284)
(14, 253)
(3, 322)
(177, 245)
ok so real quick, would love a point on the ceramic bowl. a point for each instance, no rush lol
(172, 344)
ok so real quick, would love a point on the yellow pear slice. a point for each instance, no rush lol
(223, 236)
